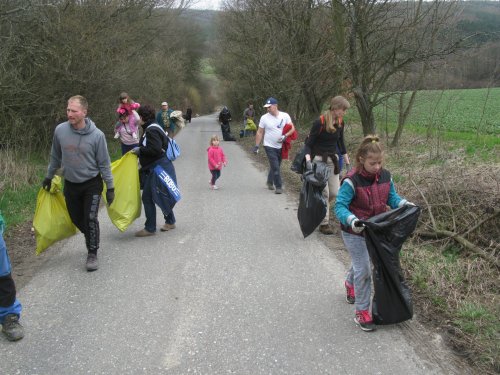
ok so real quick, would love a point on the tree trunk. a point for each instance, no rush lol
(365, 110)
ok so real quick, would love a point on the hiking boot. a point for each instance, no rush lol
(167, 227)
(326, 229)
(350, 297)
(278, 191)
(92, 263)
(144, 233)
(12, 329)
(270, 186)
(364, 320)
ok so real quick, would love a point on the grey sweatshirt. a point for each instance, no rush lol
(83, 154)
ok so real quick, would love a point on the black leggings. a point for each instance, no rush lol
(215, 175)
(82, 200)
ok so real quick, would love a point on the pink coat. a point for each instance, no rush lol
(216, 158)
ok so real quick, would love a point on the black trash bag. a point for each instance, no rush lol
(385, 234)
(299, 161)
(226, 132)
(312, 207)
(319, 175)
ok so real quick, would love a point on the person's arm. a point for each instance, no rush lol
(258, 136)
(344, 199)
(103, 162)
(394, 200)
(55, 157)
(341, 144)
(311, 139)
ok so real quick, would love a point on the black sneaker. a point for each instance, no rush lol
(92, 263)
(364, 320)
(12, 329)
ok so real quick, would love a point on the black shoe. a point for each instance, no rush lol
(12, 329)
(92, 263)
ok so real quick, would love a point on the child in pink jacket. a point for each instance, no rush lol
(216, 159)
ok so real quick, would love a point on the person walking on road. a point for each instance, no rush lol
(325, 139)
(10, 307)
(216, 160)
(366, 191)
(152, 152)
(271, 130)
(80, 148)
(165, 121)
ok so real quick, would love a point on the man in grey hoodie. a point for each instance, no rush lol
(80, 148)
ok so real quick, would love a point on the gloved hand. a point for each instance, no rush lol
(357, 226)
(110, 196)
(282, 138)
(309, 165)
(135, 150)
(47, 183)
(255, 149)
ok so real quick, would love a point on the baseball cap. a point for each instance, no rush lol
(270, 102)
(164, 103)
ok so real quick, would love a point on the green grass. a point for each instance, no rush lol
(471, 111)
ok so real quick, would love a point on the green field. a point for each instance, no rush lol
(473, 111)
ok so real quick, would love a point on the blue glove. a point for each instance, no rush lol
(135, 150)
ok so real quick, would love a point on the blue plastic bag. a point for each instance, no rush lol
(173, 150)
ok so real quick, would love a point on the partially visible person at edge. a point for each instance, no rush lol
(216, 160)
(10, 307)
(124, 132)
(189, 114)
(80, 148)
(163, 119)
(366, 191)
(248, 114)
(151, 152)
(271, 130)
(325, 139)
(128, 105)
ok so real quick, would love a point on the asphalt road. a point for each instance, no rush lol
(235, 289)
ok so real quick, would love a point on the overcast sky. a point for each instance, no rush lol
(206, 4)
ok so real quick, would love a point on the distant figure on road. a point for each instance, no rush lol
(165, 121)
(224, 118)
(271, 129)
(80, 148)
(124, 132)
(10, 307)
(325, 139)
(151, 152)
(216, 160)
(189, 113)
(366, 191)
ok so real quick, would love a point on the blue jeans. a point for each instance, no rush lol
(360, 272)
(274, 157)
(215, 175)
(8, 301)
(147, 196)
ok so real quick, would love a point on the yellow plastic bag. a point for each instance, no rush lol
(250, 125)
(51, 222)
(126, 206)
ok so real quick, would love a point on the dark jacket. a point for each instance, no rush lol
(153, 144)
(320, 142)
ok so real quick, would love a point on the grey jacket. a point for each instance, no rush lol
(83, 154)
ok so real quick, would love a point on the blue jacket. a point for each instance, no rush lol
(170, 127)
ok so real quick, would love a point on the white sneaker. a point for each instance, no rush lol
(214, 187)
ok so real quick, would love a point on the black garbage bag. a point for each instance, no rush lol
(385, 234)
(299, 161)
(312, 204)
(226, 132)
